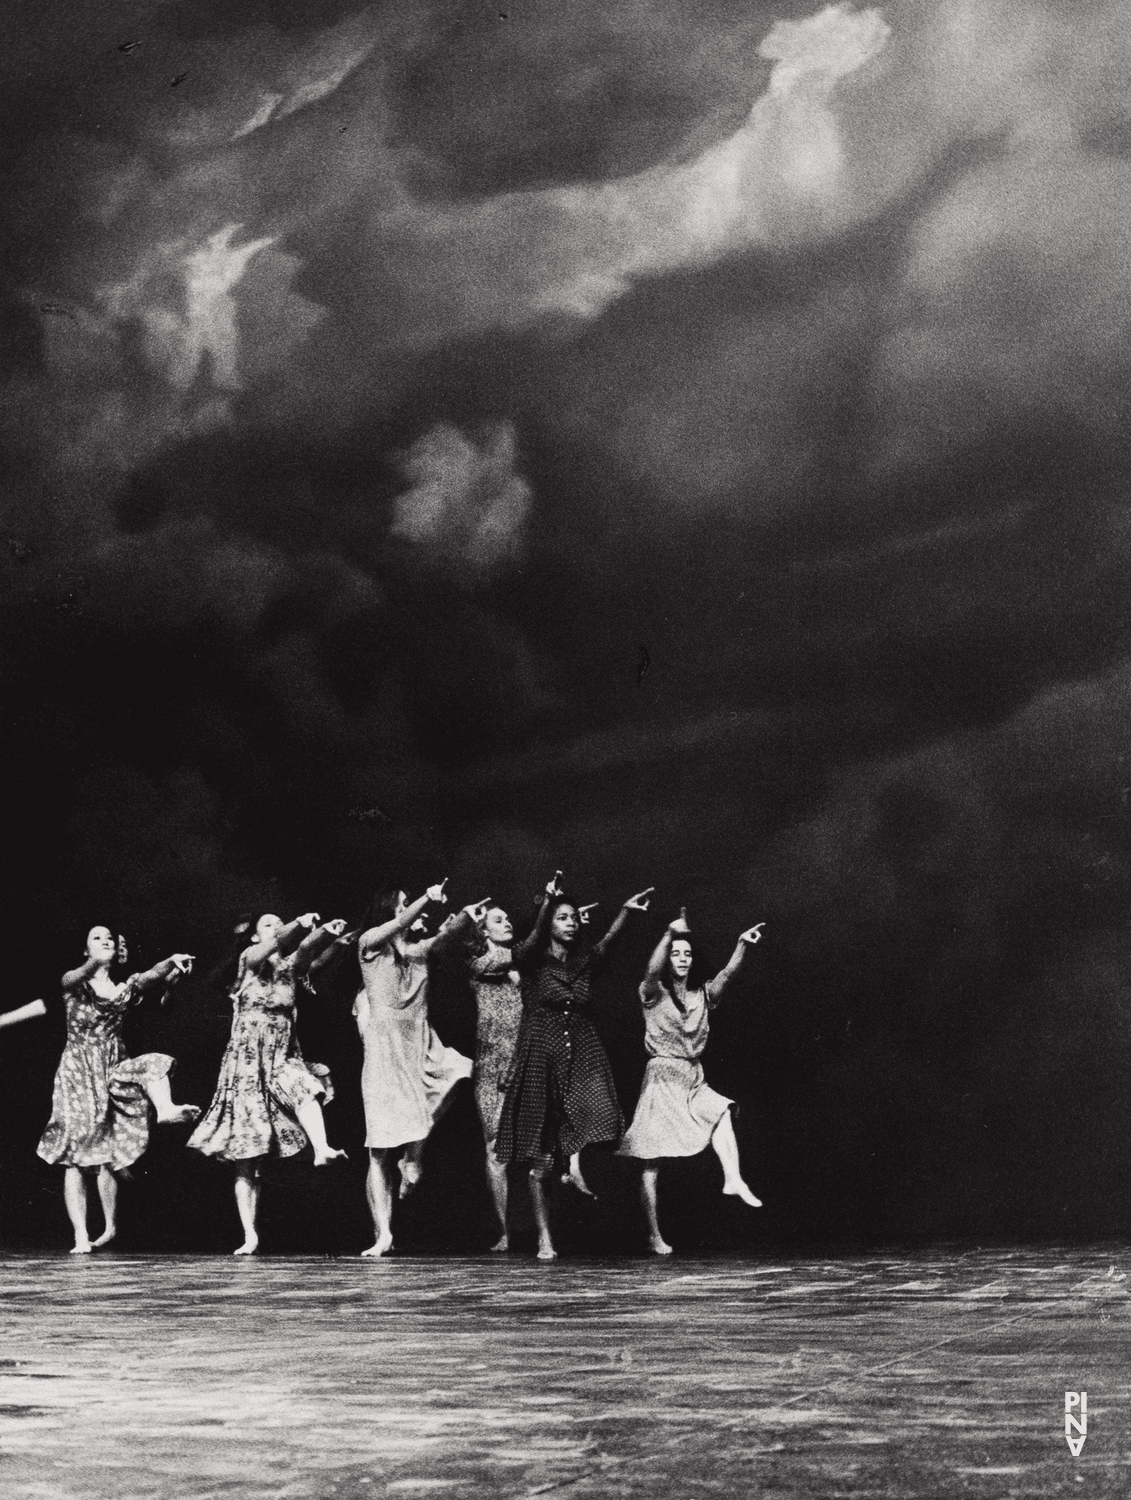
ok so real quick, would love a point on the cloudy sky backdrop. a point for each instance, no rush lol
(384, 386)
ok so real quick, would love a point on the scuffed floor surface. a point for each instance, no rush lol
(902, 1377)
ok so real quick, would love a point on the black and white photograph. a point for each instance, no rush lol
(565, 686)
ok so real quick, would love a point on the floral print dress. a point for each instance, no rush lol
(100, 1108)
(263, 1079)
(498, 1003)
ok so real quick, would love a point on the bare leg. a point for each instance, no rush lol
(497, 1182)
(74, 1196)
(169, 1113)
(380, 1200)
(538, 1173)
(108, 1193)
(247, 1202)
(411, 1167)
(310, 1118)
(574, 1175)
(648, 1178)
(726, 1149)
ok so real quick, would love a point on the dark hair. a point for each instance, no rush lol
(382, 909)
(699, 975)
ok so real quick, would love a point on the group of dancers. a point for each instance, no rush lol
(543, 1085)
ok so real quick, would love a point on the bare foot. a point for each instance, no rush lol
(179, 1114)
(249, 1246)
(382, 1247)
(106, 1236)
(576, 1180)
(501, 1244)
(82, 1247)
(411, 1173)
(738, 1189)
(658, 1246)
(322, 1157)
(546, 1251)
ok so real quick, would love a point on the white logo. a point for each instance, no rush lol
(1075, 1427)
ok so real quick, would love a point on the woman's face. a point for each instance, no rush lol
(565, 923)
(402, 902)
(101, 944)
(268, 926)
(497, 926)
(681, 958)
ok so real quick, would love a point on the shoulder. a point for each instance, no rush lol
(652, 994)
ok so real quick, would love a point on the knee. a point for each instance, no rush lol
(539, 1171)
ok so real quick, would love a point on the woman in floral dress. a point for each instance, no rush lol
(560, 1096)
(267, 1099)
(678, 1113)
(100, 1105)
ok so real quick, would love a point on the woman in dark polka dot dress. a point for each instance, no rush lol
(678, 1113)
(560, 1097)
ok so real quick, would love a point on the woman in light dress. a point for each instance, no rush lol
(678, 1113)
(408, 1074)
(101, 1099)
(268, 1100)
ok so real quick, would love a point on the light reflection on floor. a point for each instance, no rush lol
(932, 1375)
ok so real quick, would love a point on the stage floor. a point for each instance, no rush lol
(937, 1375)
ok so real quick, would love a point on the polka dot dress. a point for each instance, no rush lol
(561, 1096)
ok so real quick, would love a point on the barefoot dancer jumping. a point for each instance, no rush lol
(561, 1096)
(678, 1114)
(267, 1099)
(100, 1106)
(408, 1074)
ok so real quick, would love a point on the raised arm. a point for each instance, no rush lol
(638, 902)
(285, 941)
(537, 934)
(717, 985)
(452, 927)
(317, 942)
(654, 973)
(74, 977)
(376, 936)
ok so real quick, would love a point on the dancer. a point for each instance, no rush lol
(100, 1104)
(26, 1012)
(267, 1098)
(495, 980)
(408, 1074)
(561, 1096)
(678, 1114)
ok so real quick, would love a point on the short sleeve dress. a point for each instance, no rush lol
(561, 1096)
(677, 1111)
(99, 1107)
(264, 1080)
(498, 1003)
(407, 1071)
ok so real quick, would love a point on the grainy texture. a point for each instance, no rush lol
(896, 1376)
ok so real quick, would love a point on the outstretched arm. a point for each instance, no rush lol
(23, 1013)
(454, 926)
(717, 985)
(285, 941)
(402, 922)
(74, 977)
(537, 934)
(166, 973)
(317, 942)
(638, 902)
